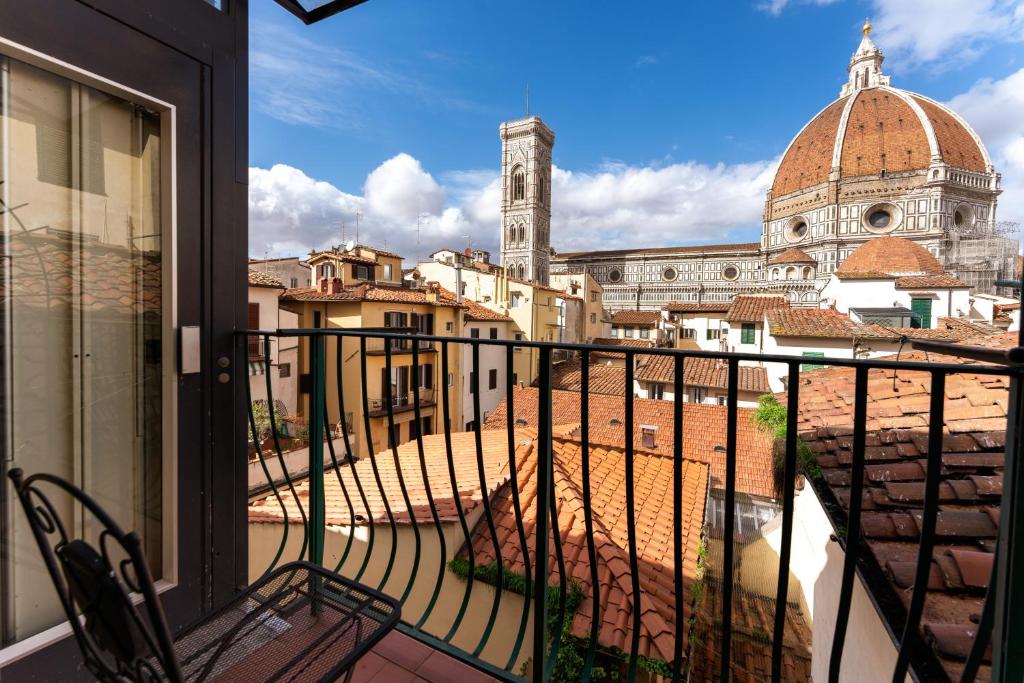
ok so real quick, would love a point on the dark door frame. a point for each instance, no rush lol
(194, 56)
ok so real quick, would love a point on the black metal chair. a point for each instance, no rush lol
(298, 623)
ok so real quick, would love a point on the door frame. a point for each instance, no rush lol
(192, 58)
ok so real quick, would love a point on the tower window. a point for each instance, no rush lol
(518, 185)
(541, 190)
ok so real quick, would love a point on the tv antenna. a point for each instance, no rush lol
(359, 214)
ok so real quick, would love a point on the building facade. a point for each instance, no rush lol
(876, 161)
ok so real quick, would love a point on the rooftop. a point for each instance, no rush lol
(792, 255)
(700, 372)
(691, 249)
(704, 430)
(645, 318)
(260, 279)
(367, 291)
(885, 257)
(752, 309)
(687, 307)
(896, 447)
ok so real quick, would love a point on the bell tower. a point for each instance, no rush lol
(526, 198)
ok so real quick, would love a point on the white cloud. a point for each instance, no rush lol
(776, 7)
(646, 60)
(614, 206)
(995, 109)
(943, 33)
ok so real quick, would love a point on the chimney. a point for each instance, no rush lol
(336, 285)
(433, 291)
(324, 282)
(468, 252)
(648, 436)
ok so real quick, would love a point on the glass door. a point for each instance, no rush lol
(81, 260)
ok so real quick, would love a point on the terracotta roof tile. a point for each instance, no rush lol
(944, 281)
(792, 255)
(495, 451)
(372, 292)
(889, 257)
(824, 323)
(897, 441)
(476, 311)
(752, 309)
(700, 372)
(691, 249)
(688, 307)
(258, 278)
(646, 318)
(604, 379)
(704, 430)
(654, 511)
(808, 159)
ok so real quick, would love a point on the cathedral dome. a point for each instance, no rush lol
(888, 257)
(874, 129)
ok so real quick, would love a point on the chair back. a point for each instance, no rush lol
(97, 582)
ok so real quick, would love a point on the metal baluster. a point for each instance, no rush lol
(588, 514)
(456, 497)
(730, 518)
(911, 636)
(634, 570)
(266, 472)
(401, 478)
(544, 475)
(556, 541)
(984, 630)
(788, 495)
(277, 449)
(860, 411)
(510, 416)
(371, 454)
(677, 516)
(348, 451)
(418, 417)
(318, 409)
(486, 499)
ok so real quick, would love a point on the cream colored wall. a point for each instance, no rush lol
(353, 315)
(264, 540)
(817, 563)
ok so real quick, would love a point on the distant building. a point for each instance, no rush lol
(265, 313)
(526, 199)
(877, 161)
(291, 271)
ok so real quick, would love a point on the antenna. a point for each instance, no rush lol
(359, 214)
(343, 230)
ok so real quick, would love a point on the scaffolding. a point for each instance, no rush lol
(981, 253)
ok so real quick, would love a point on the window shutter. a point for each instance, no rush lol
(254, 316)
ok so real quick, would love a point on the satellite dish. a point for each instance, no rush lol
(350, 245)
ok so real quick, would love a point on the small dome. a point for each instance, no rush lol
(792, 255)
(889, 257)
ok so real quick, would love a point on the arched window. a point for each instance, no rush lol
(541, 190)
(807, 272)
(518, 184)
(791, 273)
(775, 273)
(522, 233)
(522, 271)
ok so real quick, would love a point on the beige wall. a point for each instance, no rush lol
(264, 540)
(353, 315)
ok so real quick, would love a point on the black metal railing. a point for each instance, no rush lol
(410, 546)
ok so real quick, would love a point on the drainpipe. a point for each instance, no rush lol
(458, 283)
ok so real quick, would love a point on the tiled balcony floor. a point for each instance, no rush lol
(401, 659)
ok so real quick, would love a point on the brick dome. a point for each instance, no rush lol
(878, 129)
(888, 257)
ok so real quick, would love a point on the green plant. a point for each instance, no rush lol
(261, 416)
(571, 658)
(770, 416)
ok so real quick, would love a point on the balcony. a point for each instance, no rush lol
(680, 541)
(405, 401)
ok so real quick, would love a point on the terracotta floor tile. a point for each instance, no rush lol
(440, 668)
(368, 667)
(399, 648)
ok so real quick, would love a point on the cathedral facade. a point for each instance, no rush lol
(876, 161)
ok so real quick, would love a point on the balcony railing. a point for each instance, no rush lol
(432, 520)
(401, 401)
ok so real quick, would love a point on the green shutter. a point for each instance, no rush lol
(922, 309)
(747, 333)
(709, 334)
(812, 366)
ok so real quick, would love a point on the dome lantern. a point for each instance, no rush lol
(865, 67)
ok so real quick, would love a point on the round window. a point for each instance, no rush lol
(882, 218)
(963, 217)
(614, 275)
(730, 272)
(796, 229)
(879, 218)
(669, 274)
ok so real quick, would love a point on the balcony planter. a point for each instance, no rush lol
(296, 460)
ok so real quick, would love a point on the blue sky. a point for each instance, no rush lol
(669, 116)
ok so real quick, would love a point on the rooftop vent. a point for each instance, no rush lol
(648, 437)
